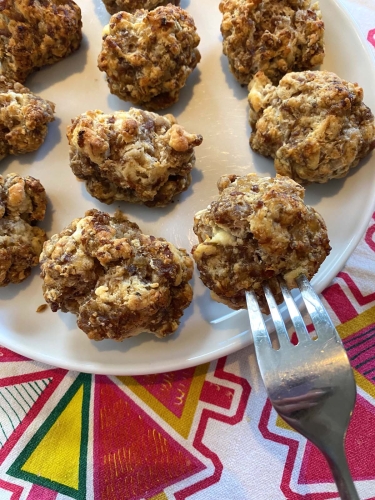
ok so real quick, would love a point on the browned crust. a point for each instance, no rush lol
(24, 118)
(118, 281)
(22, 203)
(271, 36)
(314, 125)
(258, 229)
(114, 6)
(37, 33)
(135, 156)
(148, 56)
(22, 198)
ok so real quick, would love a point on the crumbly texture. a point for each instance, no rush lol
(37, 33)
(114, 6)
(23, 119)
(313, 124)
(22, 198)
(22, 202)
(148, 55)
(271, 36)
(136, 156)
(258, 230)
(118, 281)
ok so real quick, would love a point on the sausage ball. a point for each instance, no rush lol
(148, 56)
(313, 124)
(23, 119)
(118, 281)
(22, 203)
(37, 33)
(257, 230)
(22, 198)
(135, 156)
(114, 6)
(271, 36)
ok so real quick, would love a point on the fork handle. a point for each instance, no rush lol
(341, 473)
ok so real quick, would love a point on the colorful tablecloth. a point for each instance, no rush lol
(203, 433)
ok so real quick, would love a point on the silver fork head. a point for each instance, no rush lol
(311, 384)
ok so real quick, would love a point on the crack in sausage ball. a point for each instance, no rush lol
(257, 230)
(148, 56)
(136, 156)
(114, 6)
(271, 36)
(37, 33)
(118, 281)
(313, 124)
(24, 117)
(23, 202)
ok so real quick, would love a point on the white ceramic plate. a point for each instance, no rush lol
(214, 105)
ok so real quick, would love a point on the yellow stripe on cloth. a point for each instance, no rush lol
(57, 455)
(160, 496)
(356, 324)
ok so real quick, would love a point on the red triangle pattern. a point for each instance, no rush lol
(132, 453)
(169, 388)
(360, 450)
(6, 356)
(40, 493)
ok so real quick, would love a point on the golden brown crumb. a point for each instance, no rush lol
(37, 33)
(136, 156)
(148, 56)
(271, 36)
(313, 124)
(257, 230)
(42, 308)
(118, 281)
(114, 6)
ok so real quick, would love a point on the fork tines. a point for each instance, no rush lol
(323, 325)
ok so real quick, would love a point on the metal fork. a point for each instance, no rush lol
(311, 384)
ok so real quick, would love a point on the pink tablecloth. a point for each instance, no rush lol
(206, 433)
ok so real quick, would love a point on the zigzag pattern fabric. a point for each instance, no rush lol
(203, 433)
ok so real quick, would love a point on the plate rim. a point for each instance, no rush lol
(244, 338)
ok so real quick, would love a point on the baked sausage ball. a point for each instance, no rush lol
(23, 119)
(135, 156)
(118, 281)
(22, 202)
(114, 6)
(257, 230)
(148, 56)
(22, 198)
(37, 33)
(271, 36)
(313, 124)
